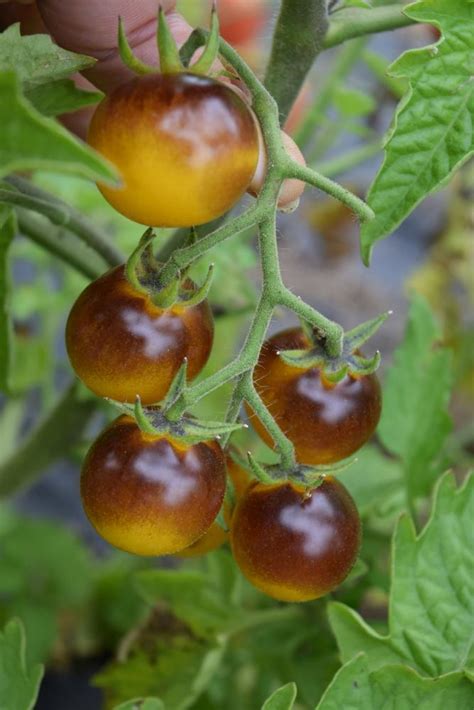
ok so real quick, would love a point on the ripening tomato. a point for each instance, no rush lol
(325, 422)
(151, 495)
(120, 344)
(216, 536)
(296, 545)
(185, 145)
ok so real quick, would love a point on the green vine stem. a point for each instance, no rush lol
(297, 40)
(351, 22)
(60, 243)
(52, 207)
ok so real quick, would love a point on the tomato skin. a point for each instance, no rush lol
(120, 344)
(325, 423)
(151, 495)
(216, 536)
(186, 147)
(292, 545)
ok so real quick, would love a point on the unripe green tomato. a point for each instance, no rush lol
(151, 495)
(292, 544)
(186, 147)
(121, 345)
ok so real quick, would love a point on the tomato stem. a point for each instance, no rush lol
(34, 198)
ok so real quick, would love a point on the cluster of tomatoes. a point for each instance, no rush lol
(187, 148)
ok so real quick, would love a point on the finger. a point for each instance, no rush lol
(90, 27)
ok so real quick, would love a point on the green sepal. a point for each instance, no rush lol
(367, 365)
(194, 431)
(349, 362)
(303, 359)
(193, 298)
(361, 333)
(170, 61)
(168, 295)
(141, 417)
(122, 407)
(211, 49)
(333, 373)
(137, 266)
(237, 457)
(177, 386)
(260, 472)
(127, 56)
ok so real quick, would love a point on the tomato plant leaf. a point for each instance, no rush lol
(42, 68)
(282, 699)
(29, 140)
(7, 232)
(190, 595)
(394, 687)
(19, 681)
(372, 480)
(56, 433)
(415, 420)
(36, 59)
(432, 133)
(178, 670)
(431, 582)
(61, 96)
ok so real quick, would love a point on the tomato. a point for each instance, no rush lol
(186, 147)
(151, 495)
(216, 536)
(296, 545)
(326, 423)
(120, 344)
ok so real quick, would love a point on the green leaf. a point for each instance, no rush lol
(36, 59)
(59, 575)
(432, 595)
(43, 69)
(282, 699)
(432, 133)
(19, 682)
(30, 141)
(178, 669)
(54, 436)
(61, 96)
(394, 687)
(415, 420)
(191, 596)
(7, 232)
(141, 704)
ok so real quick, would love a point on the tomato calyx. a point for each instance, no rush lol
(349, 362)
(169, 54)
(187, 429)
(308, 477)
(143, 272)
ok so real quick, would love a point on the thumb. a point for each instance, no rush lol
(90, 27)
